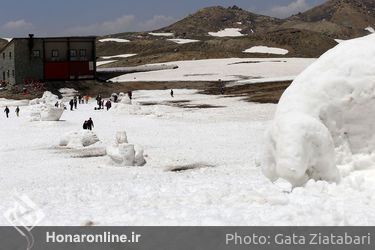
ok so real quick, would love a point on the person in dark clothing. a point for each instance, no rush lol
(99, 101)
(172, 92)
(115, 98)
(57, 104)
(18, 111)
(6, 110)
(222, 90)
(71, 103)
(75, 102)
(85, 125)
(108, 104)
(90, 124)
(130, 94)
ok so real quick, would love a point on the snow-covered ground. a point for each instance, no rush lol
(223, 145)
(118, 56)
(183, 41)
(99, 63)
(231, 69)
(267, 50)
(161, 34)
(228, 32)
(118, 40)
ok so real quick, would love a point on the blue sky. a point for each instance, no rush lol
(97, 17)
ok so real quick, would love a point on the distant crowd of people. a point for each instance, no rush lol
(79, 99)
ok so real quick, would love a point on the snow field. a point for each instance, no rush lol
(222, 146)
(232, 69)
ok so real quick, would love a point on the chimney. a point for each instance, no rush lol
(31, 42)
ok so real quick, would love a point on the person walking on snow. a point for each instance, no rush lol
(90, 124)
(71, 103)
(6, 110)
(75, 102)
(18, 111)
(87, 99)
(108, 104)
(172, 92)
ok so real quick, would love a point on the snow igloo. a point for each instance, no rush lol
(326, 116)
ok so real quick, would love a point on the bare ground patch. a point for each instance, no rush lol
(189, 167)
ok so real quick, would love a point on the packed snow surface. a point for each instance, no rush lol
(266, 50)
(339, 40)
(370, 29)
(324, 120)
(183, 41)
(220, 149)
(118, 40)
(8, 39)
(118, 56)
(161, 34)
(228, 32)
(231, 69)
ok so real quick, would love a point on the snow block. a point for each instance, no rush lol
(78, 139)
(325, 117)
(121, 153)
(43, 109)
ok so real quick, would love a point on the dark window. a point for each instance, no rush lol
(36, 53)
(13, 73)
(82, 52)
(55, 53)
(10, 55)
(73, 53)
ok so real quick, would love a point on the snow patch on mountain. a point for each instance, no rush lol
(228, 32)
(266, 50)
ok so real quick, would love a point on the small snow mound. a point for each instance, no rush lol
(78, 139)
(118, 40)
(183, 41)
(322, 120)
(121, 153)
(228, 32)
(161, 34)
(370, 29)
(266, 50)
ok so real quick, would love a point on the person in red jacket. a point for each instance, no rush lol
(108, 104)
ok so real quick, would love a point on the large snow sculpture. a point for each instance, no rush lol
(43, 109)
(122, 153)
(325, 116)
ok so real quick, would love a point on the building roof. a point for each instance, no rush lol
(45, 38)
